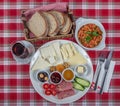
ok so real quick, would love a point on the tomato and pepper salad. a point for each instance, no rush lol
(90, 35)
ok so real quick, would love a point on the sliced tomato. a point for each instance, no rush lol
(46, 85)
(48, 92)
(53, 92)
(52, 86)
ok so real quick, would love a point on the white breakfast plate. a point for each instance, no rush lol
(78, 94)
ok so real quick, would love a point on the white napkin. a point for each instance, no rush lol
(101, 75)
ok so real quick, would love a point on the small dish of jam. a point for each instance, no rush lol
(55, 77)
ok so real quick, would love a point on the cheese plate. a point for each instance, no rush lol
(54, 53)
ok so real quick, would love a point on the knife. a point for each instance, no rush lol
(107, 63)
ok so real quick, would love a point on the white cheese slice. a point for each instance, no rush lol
(51, 51)
(77, 59)
(44, 52)
(52, 60)
(69, 49)
(40, 64)
(73, 48)
(56, 46)
(64, 52)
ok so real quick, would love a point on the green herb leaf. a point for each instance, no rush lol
(88, 32)
(95, 33)
(88, 38)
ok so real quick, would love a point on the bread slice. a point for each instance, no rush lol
(67, 27)
(53, 27)
(37, 25)
(60, 17)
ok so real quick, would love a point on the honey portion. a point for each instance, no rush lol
(68, 75)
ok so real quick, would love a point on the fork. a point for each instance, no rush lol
(101, 60)
(107, 63)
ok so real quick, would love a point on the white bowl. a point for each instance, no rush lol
(82, 21)
(68, 75)
(55, 77)
(35, 75)
(81, 74)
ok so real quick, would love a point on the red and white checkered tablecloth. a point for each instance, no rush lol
(15, 85)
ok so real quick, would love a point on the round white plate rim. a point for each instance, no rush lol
(70, 99)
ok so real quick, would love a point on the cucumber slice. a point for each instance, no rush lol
(78, 86)
(82, 82)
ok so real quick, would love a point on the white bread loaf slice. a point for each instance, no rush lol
(53, 27)
(67, 27)
(37, 25)
(60, 17)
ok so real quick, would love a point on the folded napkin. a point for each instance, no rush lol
(101, 75)
(55, 6)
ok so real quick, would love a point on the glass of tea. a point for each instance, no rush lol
(22, 51)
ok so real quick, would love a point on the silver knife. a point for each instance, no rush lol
(107, 63)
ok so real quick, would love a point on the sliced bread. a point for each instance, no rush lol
(67, 27)
(60, 17)
(53, 27)
(37, 25)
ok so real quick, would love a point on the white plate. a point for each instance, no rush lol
(78, 94)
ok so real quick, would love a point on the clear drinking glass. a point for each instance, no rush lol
(22, 51)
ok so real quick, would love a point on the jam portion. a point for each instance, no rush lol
(55, 77)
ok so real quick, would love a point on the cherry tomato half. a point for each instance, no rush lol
(52, 86)
(46, 86)
(53, 92)
(48, 92)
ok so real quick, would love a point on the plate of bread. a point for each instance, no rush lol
(61, 71)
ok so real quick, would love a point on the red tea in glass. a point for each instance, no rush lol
(20, 50)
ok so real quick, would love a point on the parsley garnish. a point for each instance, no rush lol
(94, 33)
(88, 39)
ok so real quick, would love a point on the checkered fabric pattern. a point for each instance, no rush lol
(15, 85)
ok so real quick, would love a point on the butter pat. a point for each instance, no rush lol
(80, 69)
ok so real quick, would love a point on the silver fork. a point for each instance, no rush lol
(101, 61)
(106, 67)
